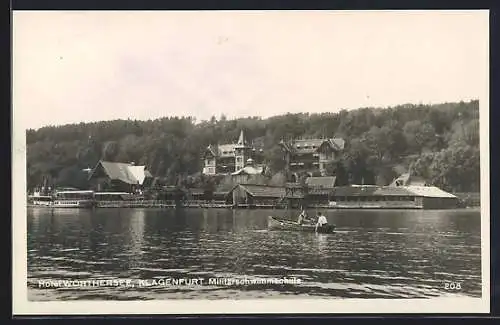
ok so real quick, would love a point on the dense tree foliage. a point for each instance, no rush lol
(439, 142)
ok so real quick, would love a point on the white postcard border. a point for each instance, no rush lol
(21, 305)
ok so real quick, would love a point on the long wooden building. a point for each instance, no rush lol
(403, 197)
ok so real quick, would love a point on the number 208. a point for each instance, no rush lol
(452, 285)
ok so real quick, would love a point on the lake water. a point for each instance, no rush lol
(373, 254)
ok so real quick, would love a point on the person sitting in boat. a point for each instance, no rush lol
(303, 217)
(321, 221)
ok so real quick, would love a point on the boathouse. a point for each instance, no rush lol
(252, 195)
(120, 177)
(319, 189)
(197, 194)
(404, 197)
(171, 193)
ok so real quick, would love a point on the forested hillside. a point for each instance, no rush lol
(439, 142)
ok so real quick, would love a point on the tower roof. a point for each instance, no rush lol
(242, 142)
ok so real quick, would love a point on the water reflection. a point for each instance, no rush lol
(373, 254)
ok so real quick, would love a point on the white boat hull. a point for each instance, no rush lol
(73, 204)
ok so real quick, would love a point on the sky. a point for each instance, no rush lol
(71, 67)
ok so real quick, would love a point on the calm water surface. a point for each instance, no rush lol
(373, 254)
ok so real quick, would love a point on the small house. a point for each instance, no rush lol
(252, 195)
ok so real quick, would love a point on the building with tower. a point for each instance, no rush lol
(311, 156)
(242, 152)
(225, 159)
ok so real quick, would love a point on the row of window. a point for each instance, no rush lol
(211, 162)
(306, 146)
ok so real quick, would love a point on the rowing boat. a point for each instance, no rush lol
(275, 223)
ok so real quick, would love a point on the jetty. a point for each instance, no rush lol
(315, 192)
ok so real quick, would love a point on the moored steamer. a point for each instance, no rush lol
(40, 200)
(74, 199)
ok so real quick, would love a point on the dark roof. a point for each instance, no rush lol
(323, 182)
(356, 190)
(307, 146)
(264, 191)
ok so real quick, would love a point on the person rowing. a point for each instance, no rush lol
(322, 222)
(303, 217)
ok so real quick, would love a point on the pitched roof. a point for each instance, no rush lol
(429, 191)
(324, 181)
(227, 149)
(124, 172)
(354, 190)
(372, 190)
(212, 150)
(242, 140)
(338, 142)
(305, 146)
(264, 191)
(139, 173)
